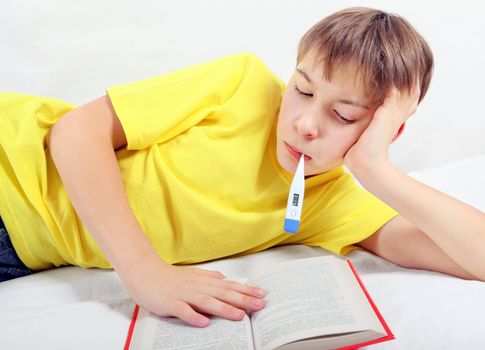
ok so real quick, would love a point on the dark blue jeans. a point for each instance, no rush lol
(10, 264)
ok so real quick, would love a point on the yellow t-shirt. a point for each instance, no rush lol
(200, 172)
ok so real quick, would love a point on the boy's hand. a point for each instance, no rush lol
(371, 150)
(188, 293)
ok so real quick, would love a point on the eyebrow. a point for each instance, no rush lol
(343, 100)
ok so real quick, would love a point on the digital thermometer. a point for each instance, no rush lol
(295, 198)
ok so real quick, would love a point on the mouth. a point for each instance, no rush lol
(295, 153)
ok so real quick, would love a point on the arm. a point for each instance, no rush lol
(82, 146)
(435, 231)
(401, 242)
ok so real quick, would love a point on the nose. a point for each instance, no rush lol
(307, 125)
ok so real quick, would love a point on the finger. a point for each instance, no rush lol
(234, 298)
(417, 88)
(187, 314)
(393, 93)
(241, 288)
(417, 92)
(210, 305)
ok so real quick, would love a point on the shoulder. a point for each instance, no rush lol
(245, 59)
(262, 68)
(250, 79)
(240, 63)
(254, 68)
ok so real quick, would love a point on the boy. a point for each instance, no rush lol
(196, 165)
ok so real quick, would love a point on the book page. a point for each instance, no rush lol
(308, 298)
(153, 332)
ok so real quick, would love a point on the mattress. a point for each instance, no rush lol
(74, 308)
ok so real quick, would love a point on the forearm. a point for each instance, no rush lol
(457, 228)
(87, 165)
(82, 146)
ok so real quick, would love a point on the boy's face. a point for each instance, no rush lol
(321, 119)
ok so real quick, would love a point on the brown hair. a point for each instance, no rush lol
(385, 48)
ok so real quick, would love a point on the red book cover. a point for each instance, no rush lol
(132, 327)
(389, 335)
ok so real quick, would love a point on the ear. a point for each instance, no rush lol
(399, 132)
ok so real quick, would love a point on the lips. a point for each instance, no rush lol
(295, 153)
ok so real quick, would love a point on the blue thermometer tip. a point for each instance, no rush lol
(291, 226)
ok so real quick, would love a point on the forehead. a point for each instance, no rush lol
(345, 77)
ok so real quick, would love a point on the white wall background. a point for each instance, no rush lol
(74, 49)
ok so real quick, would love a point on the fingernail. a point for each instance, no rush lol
(239, 314)
(204, 322)
(257, 302)
(260, 292)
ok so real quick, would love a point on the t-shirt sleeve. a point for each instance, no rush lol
(157, 109)
(351, 215)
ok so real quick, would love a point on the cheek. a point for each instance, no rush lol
(342, 140)
(354, 136)
(288, 105)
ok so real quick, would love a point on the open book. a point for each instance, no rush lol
(311, 303)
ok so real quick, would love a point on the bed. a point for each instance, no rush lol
(74, 308)
(73, 50)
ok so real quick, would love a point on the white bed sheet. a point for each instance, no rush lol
(73, 308)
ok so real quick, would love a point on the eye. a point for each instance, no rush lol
(342, 118)
(303, 93)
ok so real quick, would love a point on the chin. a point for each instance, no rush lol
(286, 164)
